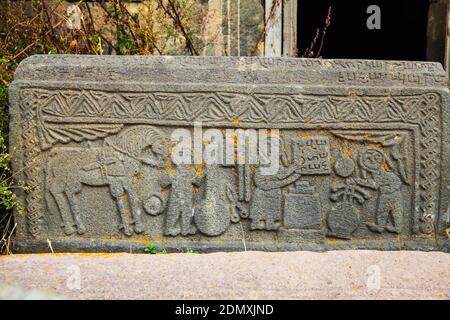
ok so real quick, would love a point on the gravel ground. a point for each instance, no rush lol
(239, 275)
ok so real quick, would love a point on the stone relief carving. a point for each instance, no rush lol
(344, 218)
(125, 123)
(113, 165)
(214, 211)
(375, 174)
(266, 207)
(285, 199)
(388, 185)
(179, 217)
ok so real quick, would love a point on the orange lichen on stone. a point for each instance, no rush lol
(199, 168)
(138, 176)
(58, 254)
(385, 167)
(235, 139)
(347, 153)
(235, 143)
(106, 239)
(305, 135)
(236, 122)
(100, 254)
(142, 240)
(155, 240)
(169, 169)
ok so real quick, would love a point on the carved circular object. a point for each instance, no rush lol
(426, 228)
(244, 213)
(154, 204)
(235, 217)
(344, 167)
(426, 225)
(372, 158)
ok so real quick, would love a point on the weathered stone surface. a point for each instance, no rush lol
(361, 149)
(345, 274)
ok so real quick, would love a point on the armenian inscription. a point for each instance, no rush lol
(230, 153)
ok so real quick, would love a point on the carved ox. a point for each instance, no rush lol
(114, 164)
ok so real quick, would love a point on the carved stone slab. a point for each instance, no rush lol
(360, 151)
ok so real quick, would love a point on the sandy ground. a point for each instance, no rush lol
(240, 275)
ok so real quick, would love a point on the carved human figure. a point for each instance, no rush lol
(266, 205)
(213, 215)
(390, 200)
(267, 202)
(180, 208)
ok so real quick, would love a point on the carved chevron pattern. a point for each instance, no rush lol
(221, 106)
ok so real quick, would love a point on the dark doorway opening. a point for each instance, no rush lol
(403, 33)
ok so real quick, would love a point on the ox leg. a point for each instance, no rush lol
(121, 207)
(117, 191)
(73, 201)
(60, 200)
(133, 200)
